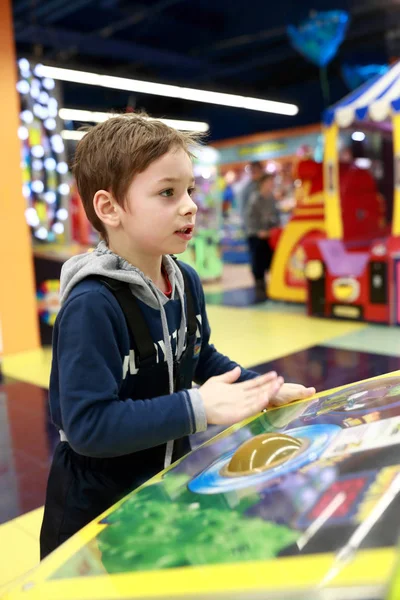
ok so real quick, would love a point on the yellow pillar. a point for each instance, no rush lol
(333, 213)
(18, 313)
(396, 198)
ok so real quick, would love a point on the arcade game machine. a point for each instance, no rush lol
(362, 218)
(301, 502)
(287, 280)
(359, 281)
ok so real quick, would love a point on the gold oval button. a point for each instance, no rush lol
(262, 452)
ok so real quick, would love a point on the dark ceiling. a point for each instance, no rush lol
(236, 46)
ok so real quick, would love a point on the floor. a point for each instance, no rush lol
(270, 335)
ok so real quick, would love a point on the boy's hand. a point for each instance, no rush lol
(226, 404)
(290, 392)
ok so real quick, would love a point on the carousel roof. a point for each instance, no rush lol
(376, 100)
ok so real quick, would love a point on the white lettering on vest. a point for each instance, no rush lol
(129, 362)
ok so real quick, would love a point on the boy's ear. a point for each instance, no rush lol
(106, 208)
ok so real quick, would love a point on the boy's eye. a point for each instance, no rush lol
(191, 191)
(167, 193)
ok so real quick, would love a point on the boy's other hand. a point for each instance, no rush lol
(226, 404)
(290, 392)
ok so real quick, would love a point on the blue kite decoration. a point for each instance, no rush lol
(318, 39)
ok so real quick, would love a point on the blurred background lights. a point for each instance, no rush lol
(23, 133)
(52, 107)
(26, 190)
(42, 154)
(23, 86)
(24, 65)
(57, 143)
(358, 136)
(35, 92)
(37, 186)
(363, 163)
(62, 168)
(62, 214)
(27, 116)
(37, 151)
(55, 139)
(37, 165)
(63, 188)
(50, 164)
(32, 217)
(50, 124)
(38, 70)
(58, 228)
(41, 233)
(37, 110)
(50, 197)
(43, 97)
(48, 83)
(44, 113)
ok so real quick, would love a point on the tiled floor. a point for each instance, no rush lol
(270, 335)
(27, 439)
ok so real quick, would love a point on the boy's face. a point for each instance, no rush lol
(159, 204)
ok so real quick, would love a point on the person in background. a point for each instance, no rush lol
(256, 172)
(285, 194)
(262, 215)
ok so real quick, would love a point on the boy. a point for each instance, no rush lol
(133, 333)
(261, 216)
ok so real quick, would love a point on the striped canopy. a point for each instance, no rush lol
(376, 100)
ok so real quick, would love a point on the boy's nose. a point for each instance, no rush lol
(189, 207)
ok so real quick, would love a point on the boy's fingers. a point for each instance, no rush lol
(263, 401)
(274, 387)
(257, 382)
(309, 392)
(258, 398)
(267, 390)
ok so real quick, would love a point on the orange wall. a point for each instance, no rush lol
(18, 313)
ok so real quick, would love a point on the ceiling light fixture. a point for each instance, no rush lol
(72, 135)
(161, 89)
(72, 114)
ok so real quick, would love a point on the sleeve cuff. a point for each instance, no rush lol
(200, 419)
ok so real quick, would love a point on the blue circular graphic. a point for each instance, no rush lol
(210, 481)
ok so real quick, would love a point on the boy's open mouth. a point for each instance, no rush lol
(185, 232)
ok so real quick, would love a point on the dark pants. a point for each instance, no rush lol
(80, 489)
(261, 257)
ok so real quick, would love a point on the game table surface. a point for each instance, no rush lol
(323, 524)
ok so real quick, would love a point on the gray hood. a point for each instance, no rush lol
(105, 263)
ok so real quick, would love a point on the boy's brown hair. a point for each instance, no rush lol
(113, 152)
